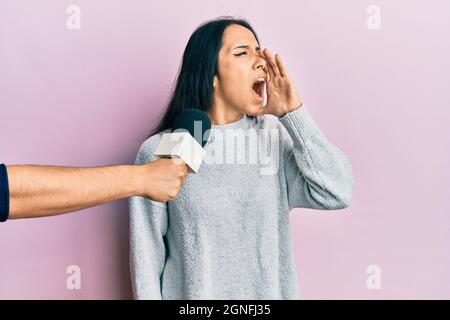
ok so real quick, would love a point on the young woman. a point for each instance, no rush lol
(226, 234)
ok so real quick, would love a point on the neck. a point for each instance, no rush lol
(220, 116)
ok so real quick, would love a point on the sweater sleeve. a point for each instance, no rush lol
(4, 193)
(318, 174)
(148, 226)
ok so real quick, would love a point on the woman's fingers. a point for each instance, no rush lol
(280, 65)
(273, 63)
(268, 66)
(266, 70)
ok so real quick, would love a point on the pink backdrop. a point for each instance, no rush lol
(88, 97)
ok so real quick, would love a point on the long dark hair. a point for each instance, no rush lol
(194, 83)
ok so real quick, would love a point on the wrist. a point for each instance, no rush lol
(133, 180)
(288, 109)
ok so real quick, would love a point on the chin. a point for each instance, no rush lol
(254, 108)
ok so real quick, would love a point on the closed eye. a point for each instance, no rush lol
(240, 54)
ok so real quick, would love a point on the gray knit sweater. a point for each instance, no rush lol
(226, 234)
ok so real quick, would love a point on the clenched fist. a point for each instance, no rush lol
(162, 179)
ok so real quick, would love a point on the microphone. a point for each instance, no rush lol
(189, 135)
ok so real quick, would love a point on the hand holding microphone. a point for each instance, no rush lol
(162, 179)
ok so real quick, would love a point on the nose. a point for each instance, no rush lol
(260, 62)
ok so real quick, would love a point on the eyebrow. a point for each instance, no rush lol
(247, 47)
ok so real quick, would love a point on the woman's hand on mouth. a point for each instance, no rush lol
(282, 95)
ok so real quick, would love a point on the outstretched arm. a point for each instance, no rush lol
(37, 191)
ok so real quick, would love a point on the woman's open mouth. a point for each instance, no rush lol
(258, 88)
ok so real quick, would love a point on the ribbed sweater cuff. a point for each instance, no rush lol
(299, 124)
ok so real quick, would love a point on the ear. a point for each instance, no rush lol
(215, 81)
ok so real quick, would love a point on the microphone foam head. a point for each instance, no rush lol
(194, 121)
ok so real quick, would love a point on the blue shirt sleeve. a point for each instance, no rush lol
(4, 194)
